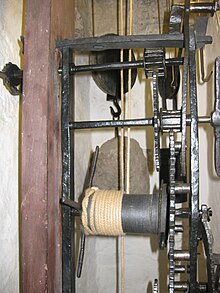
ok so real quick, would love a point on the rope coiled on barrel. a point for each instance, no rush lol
(101, 212)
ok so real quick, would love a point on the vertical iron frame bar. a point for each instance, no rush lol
(184, 86)
(68, 230)
(194, 167)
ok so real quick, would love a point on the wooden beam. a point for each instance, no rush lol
(45, 22)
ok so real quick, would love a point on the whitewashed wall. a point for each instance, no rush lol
(10, 31)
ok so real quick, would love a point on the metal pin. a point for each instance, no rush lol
(181, 188)
(179, 269)
(178, 229)
(182, 213)
(180, 286)
(181, 255)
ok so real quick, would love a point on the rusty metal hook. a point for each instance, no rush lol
(115, 114)
(207, 78)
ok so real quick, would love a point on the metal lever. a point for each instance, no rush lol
(215, 116)
(72, 204)
(83, 237)
(77, 210)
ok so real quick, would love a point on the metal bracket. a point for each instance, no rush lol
(12, 77)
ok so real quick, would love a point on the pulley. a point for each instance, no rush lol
(109, 81)
(169, 86)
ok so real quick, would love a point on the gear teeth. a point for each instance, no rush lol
(172, 215)
(154, 62)
(156, 124)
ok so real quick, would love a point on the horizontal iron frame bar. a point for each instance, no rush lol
(129, 42)
(125, 123)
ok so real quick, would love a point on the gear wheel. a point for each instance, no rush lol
(172, 215)
(154, 62)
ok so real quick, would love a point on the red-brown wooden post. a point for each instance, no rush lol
(40, 183)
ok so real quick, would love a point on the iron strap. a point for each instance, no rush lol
(194, 168)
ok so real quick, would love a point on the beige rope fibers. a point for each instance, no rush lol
(101, 213)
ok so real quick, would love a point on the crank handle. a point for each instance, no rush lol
(72, 204)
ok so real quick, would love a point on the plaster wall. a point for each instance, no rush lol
(10, 31)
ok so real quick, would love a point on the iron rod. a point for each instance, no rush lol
(117, 65)
(204, 119)
(206, 7)
(111, 123)
(201, 119)
(125, 123)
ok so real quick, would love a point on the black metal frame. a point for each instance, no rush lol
(130, 42)
(194, 168)
(68, 229)
(69, 125)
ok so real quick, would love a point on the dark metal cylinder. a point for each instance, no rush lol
(204, 7)
(140, 213)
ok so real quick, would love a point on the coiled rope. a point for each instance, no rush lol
(101, 212)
